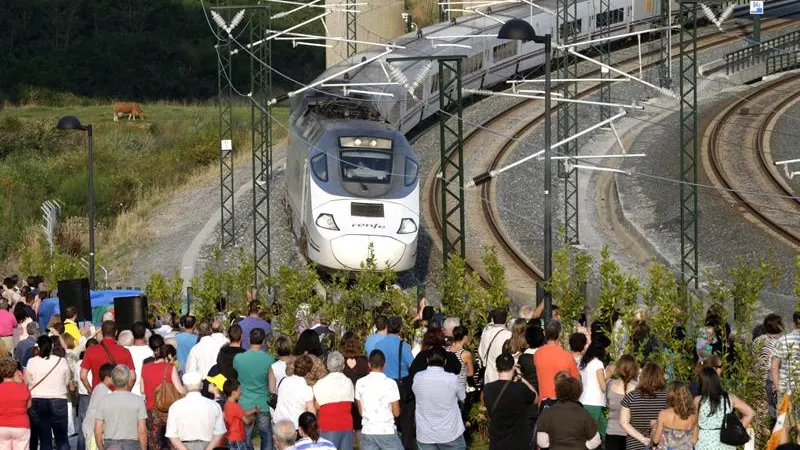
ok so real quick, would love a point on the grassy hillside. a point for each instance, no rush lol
(137, 165)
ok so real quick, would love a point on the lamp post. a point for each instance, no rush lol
(521, 30)
(72, 123)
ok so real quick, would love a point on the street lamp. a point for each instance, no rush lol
(72, 123)
(521, 30)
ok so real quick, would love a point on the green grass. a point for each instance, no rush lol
(137, 165)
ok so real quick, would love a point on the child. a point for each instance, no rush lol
(100, 391)
(235, 416)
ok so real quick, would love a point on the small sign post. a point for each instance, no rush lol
(756, 10)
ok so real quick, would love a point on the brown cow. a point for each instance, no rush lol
(131, 109)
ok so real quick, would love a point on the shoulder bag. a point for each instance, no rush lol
(403, 384)
(47, 374)
(732, 432)
(165, 394)
(110, 356)
(273, 398)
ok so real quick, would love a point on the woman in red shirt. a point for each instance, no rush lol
(15, 399)
(153, 374)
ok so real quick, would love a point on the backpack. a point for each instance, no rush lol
(165, 394)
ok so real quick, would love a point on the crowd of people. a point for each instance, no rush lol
(187, 384)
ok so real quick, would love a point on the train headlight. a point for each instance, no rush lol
(407, 226)
(326, 221)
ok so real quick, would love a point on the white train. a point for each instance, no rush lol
(352, 177)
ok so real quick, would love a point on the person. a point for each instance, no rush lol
(516, 344)
(493, 338)
(235, 416)
(140, 350)
(764, 345)
(785, 361)
(380, 333)
(284, 435)
(675, 425)
(203, 355)
(712, 361)
(195, 422)
(333, 397)
(153, 373)
(15, 426)
(100, 391)
(108, 351)
(551, 359)
(228, 352)
(294, 394)
(460, 338)
(71, 323)
(23, 319)
(310, 438)
(308, 343)
(448, 325)
(437, 394)
(566, 425)
(396, 351)
(508, 403)
(577, 345)
(534, 338)
(623, 382)
(642, 405)
(378, 400)
(253, 321)
(7, 324)
(155, 342)
(186, 339)
(593, 377)
(433, 340)
(83, 397)
(277, 371)
(712, 405)
(24, 349)
(356, 366)
(252, 367)
(47, 377)
(120, 417)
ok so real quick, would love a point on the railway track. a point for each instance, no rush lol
(481, 216)
(744, 170)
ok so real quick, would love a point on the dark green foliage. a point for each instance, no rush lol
(124, 49)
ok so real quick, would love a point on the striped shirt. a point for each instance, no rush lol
(787, 351)
(437, 395)
(643, 409)
(307, 443)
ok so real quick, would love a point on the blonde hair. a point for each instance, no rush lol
(680, 400)
(517, 343)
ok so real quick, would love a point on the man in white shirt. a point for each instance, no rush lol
(494, 336)
(378, 402)
(195, 422)
(203, 355)
(438, 418)
(139, 352)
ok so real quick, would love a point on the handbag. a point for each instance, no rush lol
(165, 394)
(273, 398)
(732, 431)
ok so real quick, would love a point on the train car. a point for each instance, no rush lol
(336, 218)
(352, 184)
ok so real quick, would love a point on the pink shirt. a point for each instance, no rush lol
(7, 323)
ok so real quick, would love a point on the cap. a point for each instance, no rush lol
(218, 381)
(192, 378)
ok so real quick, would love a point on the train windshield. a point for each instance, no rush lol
(366, 166)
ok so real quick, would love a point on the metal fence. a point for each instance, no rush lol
(749, 56)
(781, 62)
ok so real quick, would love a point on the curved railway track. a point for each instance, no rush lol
(522, 274)
(744, 170)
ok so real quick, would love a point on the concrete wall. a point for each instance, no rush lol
(378, 21)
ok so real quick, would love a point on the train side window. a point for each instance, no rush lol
(571, 28)
(411, 171)
(504, 51)
(319, 165)
(473, 63)
(610, 17)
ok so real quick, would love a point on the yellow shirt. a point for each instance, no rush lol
(72, 329)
